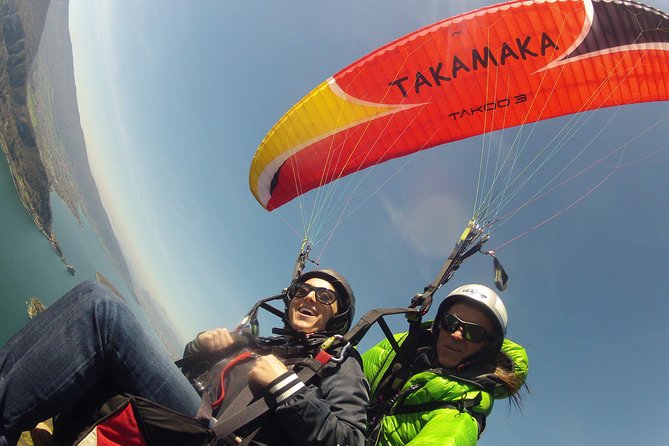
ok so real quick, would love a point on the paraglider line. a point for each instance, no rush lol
(552, 217)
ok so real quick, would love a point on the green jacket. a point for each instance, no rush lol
(445, 426)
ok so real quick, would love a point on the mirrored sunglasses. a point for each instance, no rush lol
(470, 331)
(323, 295)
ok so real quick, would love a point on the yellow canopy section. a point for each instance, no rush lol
(325, 111)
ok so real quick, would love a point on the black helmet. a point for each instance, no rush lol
(341, 322)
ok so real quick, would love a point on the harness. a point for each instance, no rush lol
(462, 405)
(240, 410)
(402, 367)
(246, 408)
(389, 399)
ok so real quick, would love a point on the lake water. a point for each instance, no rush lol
(30, 267)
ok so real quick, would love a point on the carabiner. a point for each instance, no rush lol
(343, 353)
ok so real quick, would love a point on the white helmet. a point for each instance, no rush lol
(485, 296)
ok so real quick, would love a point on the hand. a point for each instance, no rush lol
(266, 369)
(214, 340)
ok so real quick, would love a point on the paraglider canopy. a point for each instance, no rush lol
(489, 69)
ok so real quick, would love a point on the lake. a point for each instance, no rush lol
(30, 267)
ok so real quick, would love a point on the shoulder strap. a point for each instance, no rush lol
(464, 405)
(355, 334)
(405, 353)
(402, 365)
(244, 410)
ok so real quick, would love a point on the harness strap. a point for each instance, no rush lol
(463, 405)
(243, 357)
(401, 365)
(355, 334)
(243, 409)
(249, 438)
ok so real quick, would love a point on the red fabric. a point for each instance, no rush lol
(120, 430)
(323, 357)
(502, 66)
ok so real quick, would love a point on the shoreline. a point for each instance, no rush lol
(18, 180)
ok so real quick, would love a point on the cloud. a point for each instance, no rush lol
(429, 225)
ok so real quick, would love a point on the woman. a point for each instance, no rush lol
(329, 410)
(89, 343)
(462, 364)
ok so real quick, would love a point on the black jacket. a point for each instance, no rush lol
(330, 410)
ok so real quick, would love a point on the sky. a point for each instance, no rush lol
(174, 99)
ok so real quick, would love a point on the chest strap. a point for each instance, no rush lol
(463, 405)
(244, 409)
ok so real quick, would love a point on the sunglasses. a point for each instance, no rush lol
(323, 295)
(471, 332)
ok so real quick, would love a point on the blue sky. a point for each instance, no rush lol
(174, 100)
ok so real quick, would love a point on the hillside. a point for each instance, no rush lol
(53, 103)
(21, 28)
(40, 129)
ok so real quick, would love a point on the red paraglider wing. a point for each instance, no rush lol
(493, 68)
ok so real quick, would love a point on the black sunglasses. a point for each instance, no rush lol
(470, 331)
(323, 295)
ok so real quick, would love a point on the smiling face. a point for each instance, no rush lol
(308, 315)
(453, 348)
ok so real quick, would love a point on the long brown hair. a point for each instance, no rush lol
(514, 383)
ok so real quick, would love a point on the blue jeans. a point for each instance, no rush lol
(86, 343)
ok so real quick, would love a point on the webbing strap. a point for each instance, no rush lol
(243, 357)
(460, 405)
(355, 334)
(403, 354)
(249, 438)
(400, 368)
(243, 412)
(452, 263)
(393, 343)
